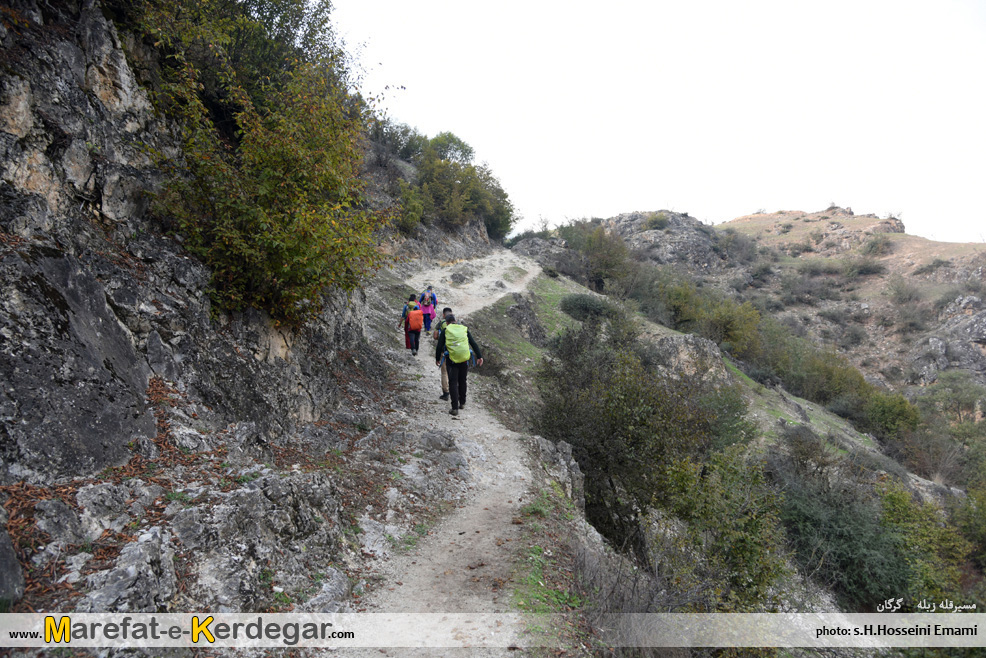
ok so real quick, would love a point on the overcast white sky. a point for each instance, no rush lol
(715, 108)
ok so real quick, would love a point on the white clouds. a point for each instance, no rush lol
(716, 108)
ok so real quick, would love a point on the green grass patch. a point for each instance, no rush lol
(548, 293)
(495, 329)
(743, 377)
(534, 592)
(543, 583)
(514, 273)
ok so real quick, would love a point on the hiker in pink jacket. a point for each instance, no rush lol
(427, 301)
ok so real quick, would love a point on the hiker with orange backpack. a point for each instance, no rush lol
(412, 319)
(456, 348)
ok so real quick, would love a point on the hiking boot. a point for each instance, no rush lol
(454, 412)
(414, 352)
(443, 396)
(462, 405)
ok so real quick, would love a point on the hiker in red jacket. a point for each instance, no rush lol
(412, 320)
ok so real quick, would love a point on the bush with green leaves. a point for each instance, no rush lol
(901, 291)
(949, 444)
(933, 551)
(267, 191)
(395, 141)
(969, 516)
(607, 258)
(954, 396)
(733, 528)
(823, 376)
(879, 245)
(656, 221)
(760, 273)
(819, 267)
(412, 209)
(807, 290)
(734, 246)
(677, 302)
(583, 307)
(525, 235)
(834, 529)
(624, 419)
(576, 232)
(869, 544)
(853, 268)
(933, 266)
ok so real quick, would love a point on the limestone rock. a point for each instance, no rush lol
(558, 461)
(143, 579)
(331, 598)
(11, 576)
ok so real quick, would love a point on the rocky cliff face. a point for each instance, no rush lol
(114, 374)
(95, 300)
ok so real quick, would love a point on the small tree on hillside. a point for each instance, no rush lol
(449, 147)
(607, 257)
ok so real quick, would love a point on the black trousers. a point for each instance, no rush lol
(457, 373)
(415, 339)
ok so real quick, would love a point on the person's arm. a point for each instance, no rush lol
(440, 348)
(474, 346)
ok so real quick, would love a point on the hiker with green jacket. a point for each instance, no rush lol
(455, 348)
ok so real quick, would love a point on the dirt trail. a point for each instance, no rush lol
(484, 281)
(465, 562)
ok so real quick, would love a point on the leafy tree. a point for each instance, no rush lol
(396, 140)
(836, 533)
(969, 516)
(606, 256)
(451, 148)
(267, 190)
(494, 205)
(412, 208)
(458, 192)
(889, 415)
(954, 395)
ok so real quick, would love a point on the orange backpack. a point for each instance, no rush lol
(415, 319)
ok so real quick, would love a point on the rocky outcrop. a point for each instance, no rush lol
(77, 130)
(523, 315)
(959, 343)
(544, 251)
(437, 245)
(557, 461)
(691, 356)
(668, 237)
